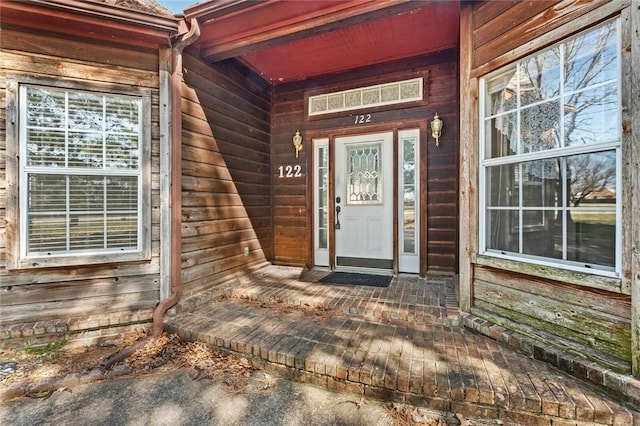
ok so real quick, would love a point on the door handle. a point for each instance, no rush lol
(338, 209)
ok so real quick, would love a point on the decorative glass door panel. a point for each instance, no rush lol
(364, 174)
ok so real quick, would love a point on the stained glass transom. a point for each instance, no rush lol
(364, 174)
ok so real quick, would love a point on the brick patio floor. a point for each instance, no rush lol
(402, 343)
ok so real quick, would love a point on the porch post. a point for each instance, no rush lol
(634, 181)
(468, 194)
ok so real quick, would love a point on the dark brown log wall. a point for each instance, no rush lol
(565, 311)
(292, 201)
(226, 195)
(111, 294)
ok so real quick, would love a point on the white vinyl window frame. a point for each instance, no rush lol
(18, 254)
(561, 152)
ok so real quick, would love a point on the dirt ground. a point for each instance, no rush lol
(165, 353)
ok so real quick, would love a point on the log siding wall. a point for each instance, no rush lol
(113, 294)
(592, 322)
(226, 195)
(293, 220)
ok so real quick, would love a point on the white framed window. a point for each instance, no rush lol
(83, 175)
(550, 172)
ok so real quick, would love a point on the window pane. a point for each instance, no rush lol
(539, 77)
(85, 111)
(591, 116)
(592, 58)
(591, 176)
(86, 231)
(502, 185)
(540, 127)
(122, 231)
(409, 219)
(85, 150)
(409, 231)
(323, 197)
(47, 234)
(122, 115)
(591, 235)
(122, 193)
(86, 193)
(542, 233)
(47, 193)
(122, 152)
(501, 92)
(540, 183)
(45, 108)
(45, 148)
(501, 135)
(503, 229)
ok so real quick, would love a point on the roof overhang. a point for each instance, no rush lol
(287, 41)
(91, 20)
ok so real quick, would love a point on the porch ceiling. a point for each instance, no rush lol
(288, 40)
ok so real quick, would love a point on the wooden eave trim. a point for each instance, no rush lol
(106, 15)
(210, 10)
(359, 13)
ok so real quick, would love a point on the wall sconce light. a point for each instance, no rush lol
(297, 142)
(436, 129)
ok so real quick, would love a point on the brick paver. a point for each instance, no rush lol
(400, 343)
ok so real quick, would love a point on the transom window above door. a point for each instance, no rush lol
(392, 93)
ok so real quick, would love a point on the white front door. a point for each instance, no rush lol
(364, 201)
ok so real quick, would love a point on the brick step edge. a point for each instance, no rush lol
(623, 385)
(298, 369)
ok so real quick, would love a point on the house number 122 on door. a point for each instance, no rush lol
(290, 171)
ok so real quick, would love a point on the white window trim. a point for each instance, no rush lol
(484, 163)
(16, 252)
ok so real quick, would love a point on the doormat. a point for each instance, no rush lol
(351, 278)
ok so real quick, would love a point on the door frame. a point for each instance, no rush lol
(331, 134)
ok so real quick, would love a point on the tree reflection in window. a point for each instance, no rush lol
(552, 143)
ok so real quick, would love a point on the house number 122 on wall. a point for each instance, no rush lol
(290, 171)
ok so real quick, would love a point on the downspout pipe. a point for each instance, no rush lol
(175, 195)
(176, 177)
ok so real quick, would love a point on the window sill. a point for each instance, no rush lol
(77, 260)
(613, 284)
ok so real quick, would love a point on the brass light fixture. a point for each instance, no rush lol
(436, 129)
(297, 142)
